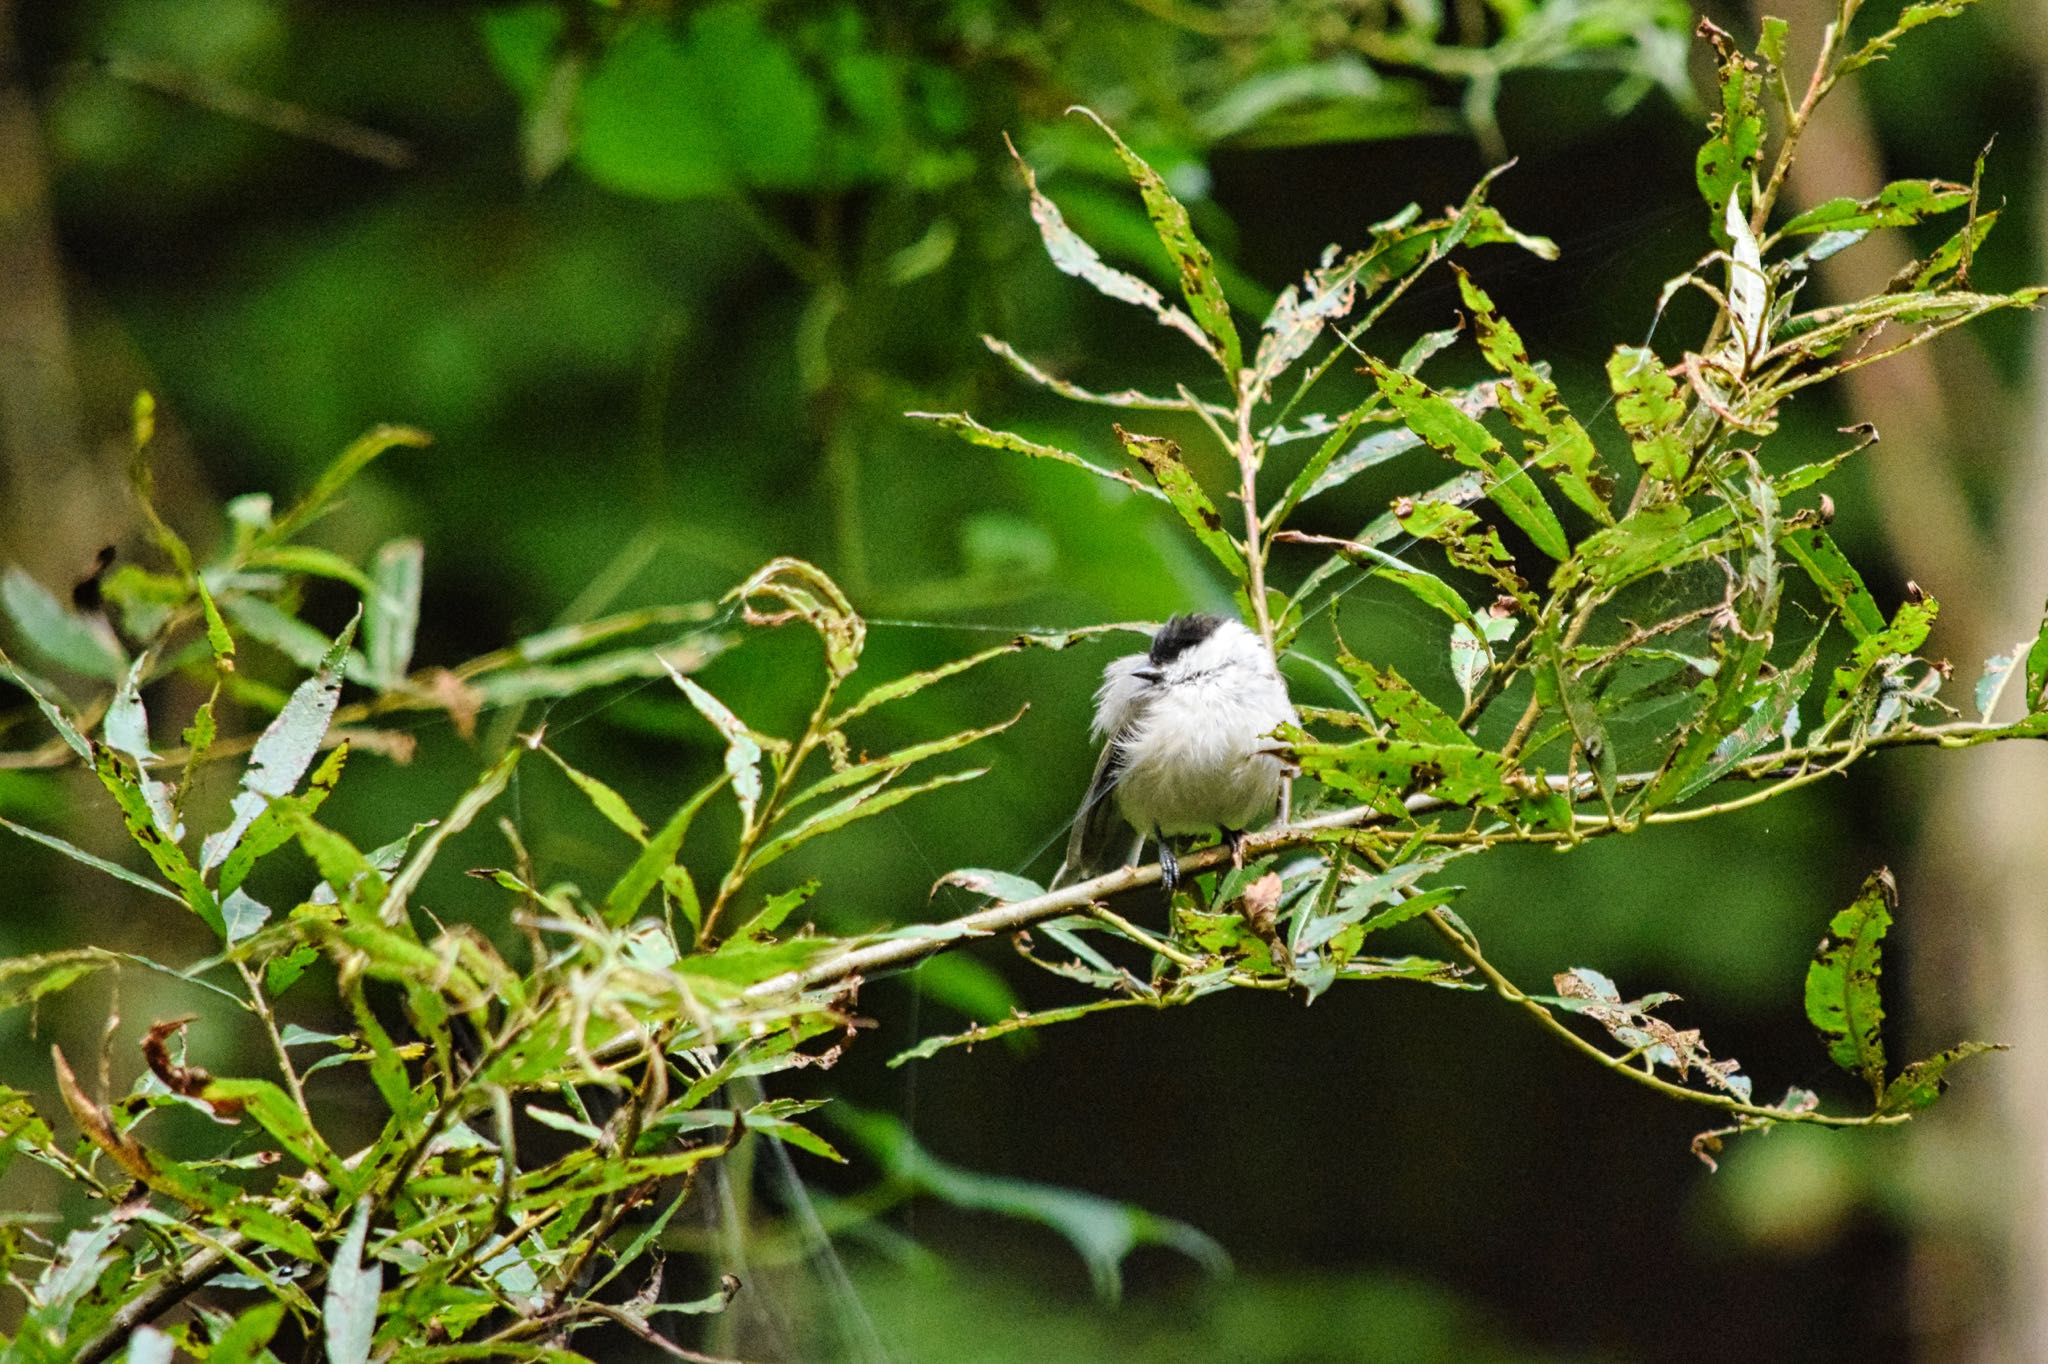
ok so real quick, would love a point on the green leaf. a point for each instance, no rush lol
(1735, 132)
(1560, 445)
(1177, 481)
(1770, 43)
(860, 805)
(1381, 770)
(1450, 431)
(78, 854)
(488, 788)
(896, 688)
(1000, 886)
(1073, 256)
(742, 751)
(392, 611)
(275, 1112)
(349, 1309)
(85, 645)
(35, 688)
(1649, 408)
(2037, 670)
(778, 907)
(1101, 1231)
(24, 980)
(890, 763)
(1198, 282)
(1557, 686)
(273, 828)
(1907, 632)
(514, 686)
(1898, 204)
(285, 749)
(1814, 550)
(340, 474)
(218, 638)
(1920, 1084)
(607, 802)
(244, 1339)
(967, 985)
(645, 871)
(170, 859)
(974, 433)
(1404, 710)
(309, 559)
(1842, 1000)
(1912, 17)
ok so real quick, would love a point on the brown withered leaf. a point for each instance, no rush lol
(187, 1081)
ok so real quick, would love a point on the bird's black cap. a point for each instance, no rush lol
(1181, 634)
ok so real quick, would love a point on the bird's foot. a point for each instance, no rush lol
(1169, 867)
(1235, 838)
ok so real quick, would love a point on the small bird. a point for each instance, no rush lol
(1189, 729)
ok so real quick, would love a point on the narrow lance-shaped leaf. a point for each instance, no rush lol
(659, 853)
(337, 476)
(140, 820)
(285, 750)
(66, 731)
(78, 854)
(1920, 1084)
(1912, 17)
(606, 801)
(126, 730)
(1735, 132)
(349, 1310)
(488, 788)
(1198, 282)
(392, 612)
(742, 751)
(1177, 481)
(855, 773)
(1452, 432)
(1842, 999)
(1075, 257)
(1102, 1232)
(1898, 204)
(1814, 550)
(974, 433)
(859, 805)
(1529, 398)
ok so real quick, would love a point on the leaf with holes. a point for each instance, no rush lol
(1842, 999)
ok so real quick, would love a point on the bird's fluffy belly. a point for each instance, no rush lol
(1196, 762)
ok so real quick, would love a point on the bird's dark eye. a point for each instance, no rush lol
(1149, 676)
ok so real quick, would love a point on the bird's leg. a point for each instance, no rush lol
(1169, 866)
(1235, 838)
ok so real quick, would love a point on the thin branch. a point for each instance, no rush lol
(857, 963)
(1620, 1065)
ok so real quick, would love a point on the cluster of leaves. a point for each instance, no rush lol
(615, 1037)
(1616, 630)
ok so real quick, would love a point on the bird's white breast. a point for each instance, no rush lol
(1198, 756)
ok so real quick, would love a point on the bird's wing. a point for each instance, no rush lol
(1092, 844)
(1093, 839)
